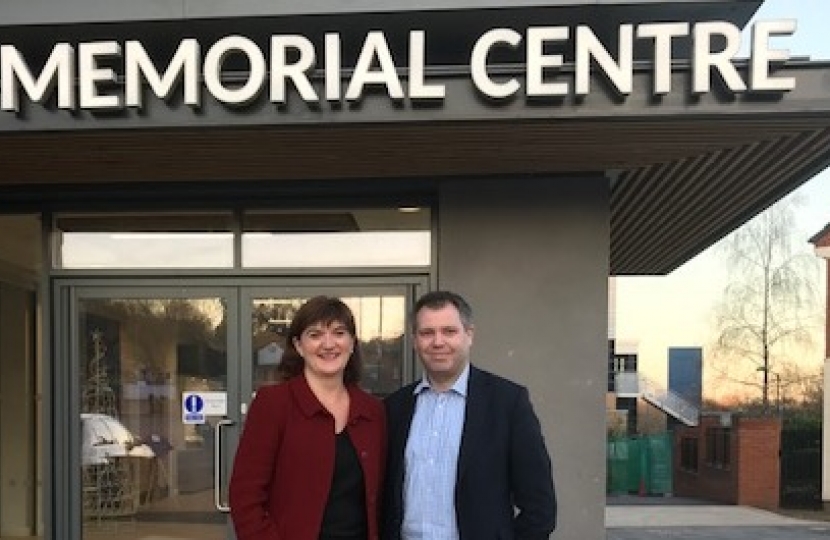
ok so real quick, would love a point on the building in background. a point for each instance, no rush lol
(821, 243)
(622, 407)
(685, 375)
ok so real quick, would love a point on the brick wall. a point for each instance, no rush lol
(758, 462)
(737, 460)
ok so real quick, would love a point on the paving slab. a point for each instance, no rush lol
(790, 532)
(697, 515)
(670, 518)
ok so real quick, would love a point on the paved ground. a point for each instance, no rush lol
(646, 518)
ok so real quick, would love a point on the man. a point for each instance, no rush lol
(466, 459)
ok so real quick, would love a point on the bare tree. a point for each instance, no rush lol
(769, 309)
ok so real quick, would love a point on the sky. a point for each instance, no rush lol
(677, 310)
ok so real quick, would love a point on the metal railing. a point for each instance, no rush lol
(633, 384)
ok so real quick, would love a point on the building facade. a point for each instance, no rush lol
(821, 245)
(730, 459)
(177, 177)
(686, 373)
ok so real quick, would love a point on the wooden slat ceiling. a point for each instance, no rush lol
(678, 184)
(703, 198)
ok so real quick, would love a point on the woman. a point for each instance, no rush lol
(311, 455)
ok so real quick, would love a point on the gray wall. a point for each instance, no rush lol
(531, 255)
(17, 417)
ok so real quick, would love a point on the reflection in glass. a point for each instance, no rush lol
(144, 240)
(142, 466)
(352, 237)
(147, 250)
(345, 249)
(349, 237)
(380, 327)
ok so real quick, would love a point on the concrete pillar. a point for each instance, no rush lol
(825, 438)
(531, 255)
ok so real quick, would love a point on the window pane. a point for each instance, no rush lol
(139, 359)
(147, 250)
(392, 248)
(337, 238)
(144, 241)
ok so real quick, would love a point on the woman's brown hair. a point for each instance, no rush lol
(325, 310)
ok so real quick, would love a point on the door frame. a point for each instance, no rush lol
(62, 442)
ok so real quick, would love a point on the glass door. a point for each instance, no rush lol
(157, 387)
(162, 378)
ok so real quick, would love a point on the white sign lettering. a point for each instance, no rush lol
(291, 64)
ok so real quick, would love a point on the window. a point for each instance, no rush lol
(390, 236)
(369, 237)
(151, 240)
(688, 454)
(718, 447)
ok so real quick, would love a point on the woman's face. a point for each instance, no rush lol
(325, 348)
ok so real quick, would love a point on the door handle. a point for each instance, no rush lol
(218, 461)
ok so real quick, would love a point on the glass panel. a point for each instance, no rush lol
(144, 241)
(346, 238)
(147, 470)
(380, 320)
(298, 250)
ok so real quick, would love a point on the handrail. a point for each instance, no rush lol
(634, 384)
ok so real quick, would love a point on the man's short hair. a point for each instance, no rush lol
(439, 299)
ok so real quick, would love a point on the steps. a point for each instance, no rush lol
(633, 384)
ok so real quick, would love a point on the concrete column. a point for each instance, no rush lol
(825, 438)
(824, 253)
(531, 255)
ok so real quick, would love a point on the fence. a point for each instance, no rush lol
(801, 467)
(641, 465)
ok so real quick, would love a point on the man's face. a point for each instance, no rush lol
(443, 343)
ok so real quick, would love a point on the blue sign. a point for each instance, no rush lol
(194, 403)
(193, 409)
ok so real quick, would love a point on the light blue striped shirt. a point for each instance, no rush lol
(432, 461)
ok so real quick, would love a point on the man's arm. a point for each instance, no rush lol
(531, 476)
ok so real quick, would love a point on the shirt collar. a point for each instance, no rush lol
(459, 387)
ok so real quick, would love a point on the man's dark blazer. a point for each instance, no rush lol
(504, 485)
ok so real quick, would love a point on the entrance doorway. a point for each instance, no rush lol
(159, 378)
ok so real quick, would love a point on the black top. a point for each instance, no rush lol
(345, 515)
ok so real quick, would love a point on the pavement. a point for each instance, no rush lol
(661, 518)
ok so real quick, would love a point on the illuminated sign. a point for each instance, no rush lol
(108, 75)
